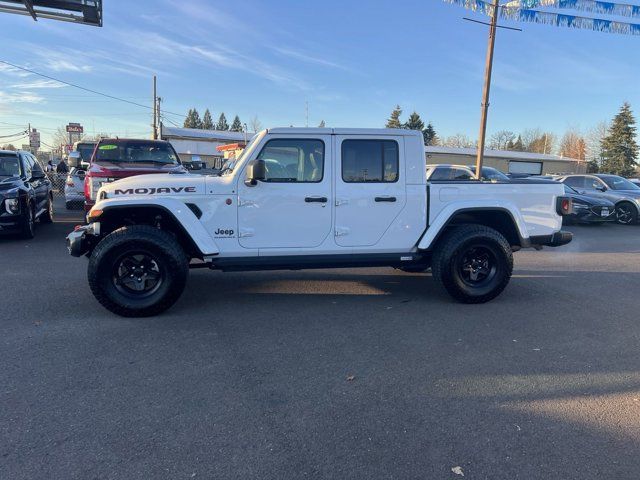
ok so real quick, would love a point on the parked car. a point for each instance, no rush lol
(25, 194)
(114, 159)
(491, 174)
(74, 188)
(624, 194)
(443, 172)
(589, 209)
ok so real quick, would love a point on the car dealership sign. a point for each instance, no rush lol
(75, 128)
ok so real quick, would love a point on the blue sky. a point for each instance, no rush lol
(351, 61)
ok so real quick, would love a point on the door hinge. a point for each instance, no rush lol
(342, 201)
(341, 231)
(246, 232)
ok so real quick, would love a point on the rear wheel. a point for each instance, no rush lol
(138, 271)
(473, 263)
(626, 213)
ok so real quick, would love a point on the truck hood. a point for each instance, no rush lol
(158, 184)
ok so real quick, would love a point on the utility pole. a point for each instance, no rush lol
(155, 109)
(487, 87)
(159, 118)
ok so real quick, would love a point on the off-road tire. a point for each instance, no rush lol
(47, 215)
(28, 230)
(454, 247)
(170, 258)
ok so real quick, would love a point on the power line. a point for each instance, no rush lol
(13, 135)
(82, 88)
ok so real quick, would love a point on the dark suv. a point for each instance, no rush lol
(25, 194)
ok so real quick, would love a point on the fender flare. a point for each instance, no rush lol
(177, 209)
(436, 227)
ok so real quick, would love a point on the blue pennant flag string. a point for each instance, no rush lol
(515, 11)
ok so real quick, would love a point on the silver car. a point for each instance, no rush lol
(74, 189)
(623, 193)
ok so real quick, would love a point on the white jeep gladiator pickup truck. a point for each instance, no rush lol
(313, 198)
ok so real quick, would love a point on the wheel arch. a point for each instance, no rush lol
(182, 223)
(500, 219)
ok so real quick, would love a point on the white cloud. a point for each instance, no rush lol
(305, 57)
(38, 84)
(22, 97)
(62, 65)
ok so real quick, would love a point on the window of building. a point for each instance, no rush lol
(368, 161)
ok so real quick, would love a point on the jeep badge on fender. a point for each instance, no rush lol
(153, 190)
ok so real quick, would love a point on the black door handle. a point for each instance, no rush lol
(316, 199)
(385, 199)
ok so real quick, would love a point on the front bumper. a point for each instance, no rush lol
(557, 239)
(82, 240)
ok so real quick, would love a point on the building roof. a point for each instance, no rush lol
(212, 135)
(498, 154)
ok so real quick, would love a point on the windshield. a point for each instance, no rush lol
(85, 150)
(138, 151)
(9, 166)
(490, 173)
(619, 183)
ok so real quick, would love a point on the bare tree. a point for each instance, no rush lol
(501, 139)
(255, 124)
(536, 141)
(573, 144)
(594, 138)
(60, 137)
(459, 140)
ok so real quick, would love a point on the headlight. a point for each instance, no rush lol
(12, 205)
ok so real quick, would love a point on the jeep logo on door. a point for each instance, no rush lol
(153, 190)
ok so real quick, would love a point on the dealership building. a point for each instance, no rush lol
(506, 161)
(195, 145)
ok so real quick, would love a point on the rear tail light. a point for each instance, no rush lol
(564, 206)
(87, 187)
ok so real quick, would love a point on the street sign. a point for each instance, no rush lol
(75, 128)
(85, 12)
(34, 139)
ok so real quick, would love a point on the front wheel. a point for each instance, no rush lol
(47, 215)
(626, 213)
(138, 271)
(473, 263)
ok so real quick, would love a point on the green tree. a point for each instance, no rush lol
(394, 119)
(222, 123)
(516, 146)
(619, 147)
(207, 121)
(429, 134)
(414, 122)
(193, 119)
(236, 126)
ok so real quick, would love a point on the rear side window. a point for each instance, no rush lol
(574, 182)
(369, 161)
(293, 160)
(451, 173)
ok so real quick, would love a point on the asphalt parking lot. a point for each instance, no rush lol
(325, 374)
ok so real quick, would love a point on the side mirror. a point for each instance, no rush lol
(37, 175)
(256, 171)
(602, 188)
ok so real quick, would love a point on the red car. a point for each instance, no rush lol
(116, 158)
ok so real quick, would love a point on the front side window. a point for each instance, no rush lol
(293, 160)
(370, 161)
